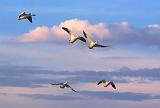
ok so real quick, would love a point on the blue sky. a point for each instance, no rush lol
(137, 13)
(32, 55)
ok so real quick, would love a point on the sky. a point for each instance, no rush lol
(34, 54)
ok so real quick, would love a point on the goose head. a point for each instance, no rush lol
(23, 13)
(66, 82)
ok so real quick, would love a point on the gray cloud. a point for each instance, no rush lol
(120, 95)
(118, 57)
(85, 95)
(125, 34)
(36, 77)
(50, 97)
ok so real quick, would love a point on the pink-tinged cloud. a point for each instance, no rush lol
(114, 34)
(39, 34)
(99, 29)
(40, 90)
(55, 33)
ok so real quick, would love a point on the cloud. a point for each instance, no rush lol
(154, 26)
(118, 57)
(125, 34)
(55, 33)
(26, 79)
(39, 34)
(19, 76)
(85, 95)
(117, 34)
(51, 97)
(129, 96)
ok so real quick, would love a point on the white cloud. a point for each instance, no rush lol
(39, 34)
(55, 33)
(114, 34)
(154, 26)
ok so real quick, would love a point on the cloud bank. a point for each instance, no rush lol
(117, 34)
(84, 95)
(19, 76)
(56, 34)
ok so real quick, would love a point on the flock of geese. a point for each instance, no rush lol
(72, 40)
(66, 85)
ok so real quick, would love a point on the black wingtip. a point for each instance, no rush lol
(99, 83)
(63, 27)
(114, 87)
(85, 34)
(82, 39)
(51, 83)
(66, 29)
(104, 46)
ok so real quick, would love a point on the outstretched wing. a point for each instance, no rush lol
(71, 88)
(55, 84)
(98, 45)
(112, 84)
(88, 37)
(67, 30)
(102, 81)
(30, 19)
(81, 38)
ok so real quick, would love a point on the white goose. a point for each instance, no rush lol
(25, 15)
(92, 44)
(72, 36)
(107, 83)
(64, 85)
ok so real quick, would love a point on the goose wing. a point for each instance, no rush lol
(67, 30)
(112, 84)
(98, 45)
(71, 88)
(55, 83)
(81, 38)
(30, 19)
(19, 17)
(88, 37)
(102, 81)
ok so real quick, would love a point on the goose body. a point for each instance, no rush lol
(64, 85)
(25, 15)
(92, 44)
(73, 38)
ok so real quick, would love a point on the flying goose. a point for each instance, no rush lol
(25, 15)
(72, 36)
(92, 44)
(107, 83)
(64, 85)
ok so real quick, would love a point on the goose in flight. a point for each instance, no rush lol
(72, 36)
(106, 84)
(25, 15)
(64, 85)
(92, 44)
